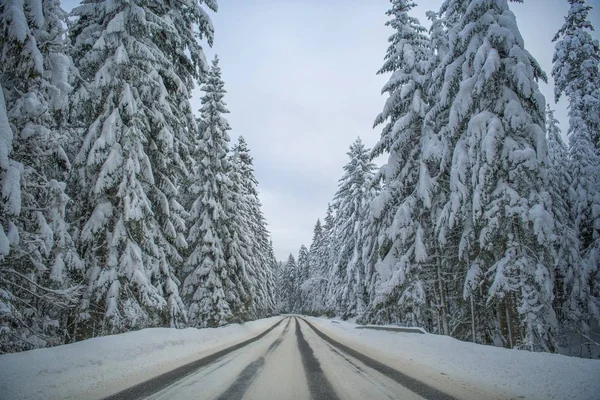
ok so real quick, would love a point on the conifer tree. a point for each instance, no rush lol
(400, 209)
(210, 284)
(312, 286)
(38, 255)
(272, 287)
(256, 228)
(289, 285)
(571, 291)
(577, 76)
(138, 62)
(350, 201)
(303, 276)
(497, 204)
(239, 247)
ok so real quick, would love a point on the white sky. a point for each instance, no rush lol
(302, 85)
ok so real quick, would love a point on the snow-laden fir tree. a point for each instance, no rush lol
(577, 76)
(138, 62)
(38, 255)
(289, 286)
(303, 275)
(400, 208)
(315, 282)
(497, 204)
(350, 201)
(321, 257)
(239, 249)
(279, 271)
(210, 285)
(256, 227)
(273, 279)
(571, 290)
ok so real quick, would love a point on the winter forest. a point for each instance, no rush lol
(123, 208)
(482, 224)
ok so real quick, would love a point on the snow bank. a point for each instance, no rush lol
(442, 359)
(101, 366)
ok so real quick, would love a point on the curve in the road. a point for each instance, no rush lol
(160, 382)
(410, 383)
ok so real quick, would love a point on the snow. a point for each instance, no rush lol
(6, 134)
(18, 23)
(97, 367)
(11, 187)
(507, 373)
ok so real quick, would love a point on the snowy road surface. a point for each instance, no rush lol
(293, 360)
(284, 357)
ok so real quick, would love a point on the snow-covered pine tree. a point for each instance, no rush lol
(258, 234)
(210, 286)
(279, 272)
(577, 76)
(273, 280)
(312, 285)
(38, 254)
(138, 62)
(303, 265)
(367, 254)
(239, 246)
(497, 205)
(350, 201)
(289, 286)
(571, 291)
(303, 275)
(325, 256)
(10, 207)
(400, 208)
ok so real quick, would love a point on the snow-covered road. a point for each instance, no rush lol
(292, 361)
(291, 357)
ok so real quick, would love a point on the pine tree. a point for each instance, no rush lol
(303, 276)
(239, 248)
(367, 255)
(256, 227)
(350, 201)
(279, 273)
(272, 287)
(497, 202)
(312, 286)
(38, 255)
(10, 181)
(577, 76)
(325, 254)
(289, 285)
(400, 209)
(138, 62)
(571, 291)
(210, 286)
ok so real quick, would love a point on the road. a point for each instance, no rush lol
(292, 360)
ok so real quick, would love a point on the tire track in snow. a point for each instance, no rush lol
(245, 378)
(160, 382)
(318, 384)
(408, 382)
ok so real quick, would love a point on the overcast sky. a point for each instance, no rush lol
(302, 85)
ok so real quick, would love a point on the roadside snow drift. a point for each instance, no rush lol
(443, 361)
(102, 366)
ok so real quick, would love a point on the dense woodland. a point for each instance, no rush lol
(122, 208)
(482, 224)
